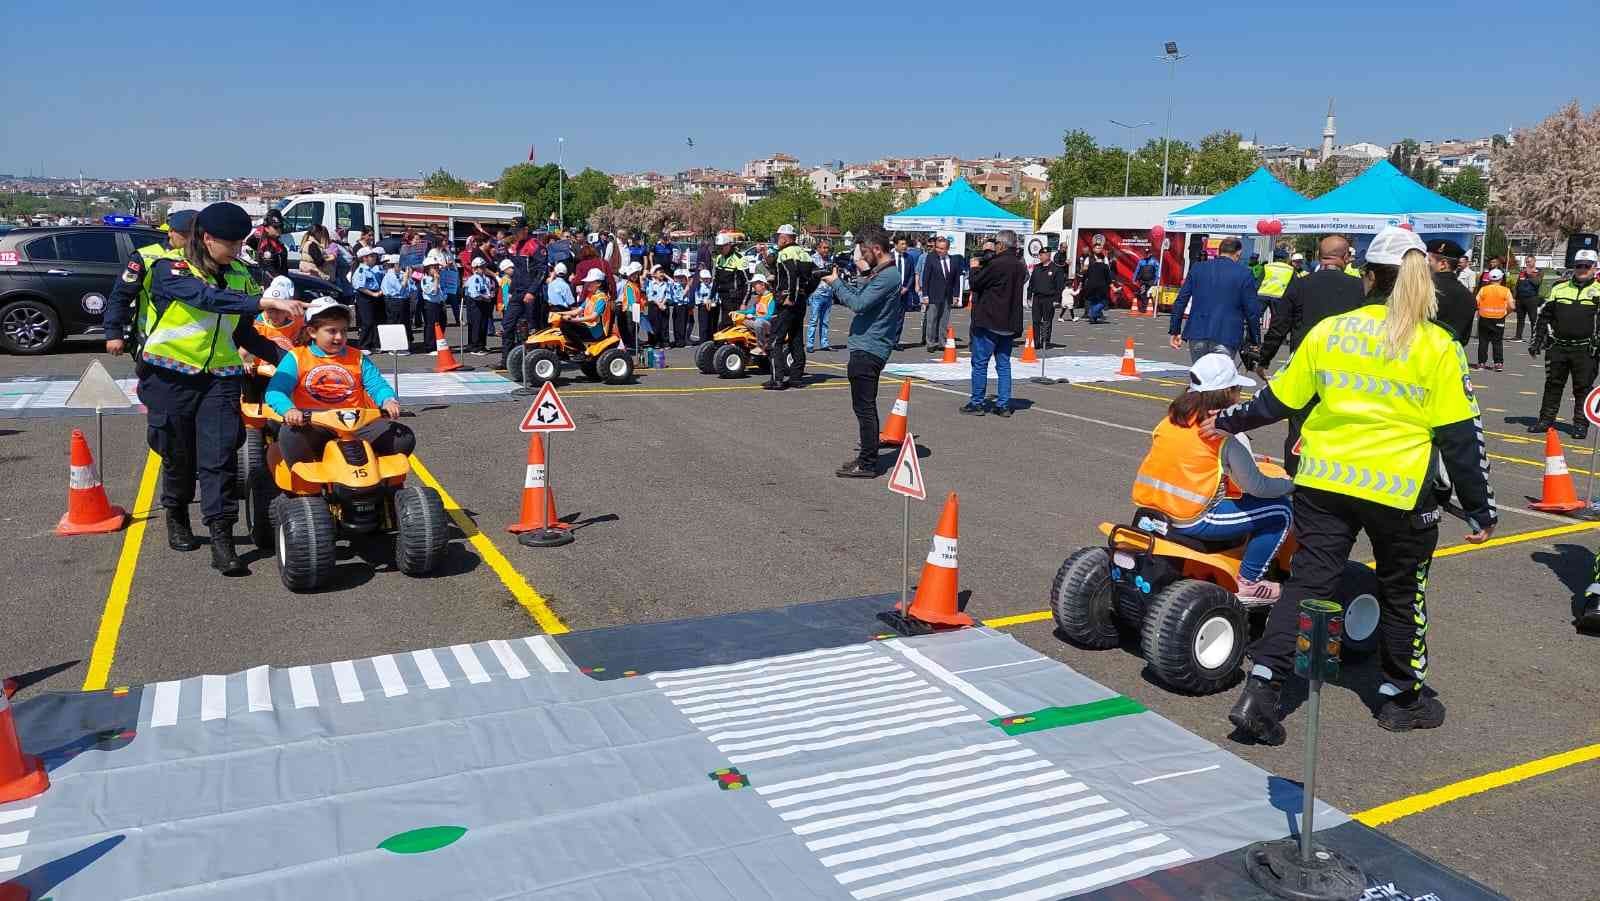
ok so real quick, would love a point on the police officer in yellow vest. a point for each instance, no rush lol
(1275, 278)
(1567, 332)
(202, 303)
(1393, 402)
(130, 296)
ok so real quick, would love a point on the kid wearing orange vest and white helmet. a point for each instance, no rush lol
(1211, 488)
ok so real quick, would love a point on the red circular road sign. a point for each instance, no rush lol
(1591, 406)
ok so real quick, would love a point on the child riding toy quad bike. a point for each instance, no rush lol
(732, 352)
(539, 359)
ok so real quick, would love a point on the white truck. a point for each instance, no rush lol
(363, 212)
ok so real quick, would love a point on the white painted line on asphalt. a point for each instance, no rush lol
(921, 788)
(548, 656)
(509, 661)
(950, 709)
(994, 843)
(904, 686)
(1204, 769)
(257, 692)
(1035, 408)
(303, 687)
(879, 768)
(432, 673)
(164, 707)
(951, 679)
(861, 712)
(468, 661)
(345, 680)
(389, 678)
(918, 774)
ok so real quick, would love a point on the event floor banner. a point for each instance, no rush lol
(1071, 367)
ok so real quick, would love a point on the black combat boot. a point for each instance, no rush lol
(180, 535)
(1256, 711)
(224, 559)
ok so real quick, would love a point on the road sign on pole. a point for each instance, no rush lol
(1591, 406)
(907, 478)
(548, 413)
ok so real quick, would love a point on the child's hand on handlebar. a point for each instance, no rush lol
(295, 418)
(391, 408)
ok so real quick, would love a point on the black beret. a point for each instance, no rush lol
(225, 221)
(1446, 248)
(181, 220)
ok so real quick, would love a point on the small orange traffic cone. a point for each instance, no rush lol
(1128, 367)
(21, 776)
(894, 431)
(1030, 354)
(936, 590)
(949, 344)
(89, 512)
(1559, 493)
(536, 491)
(446, 361)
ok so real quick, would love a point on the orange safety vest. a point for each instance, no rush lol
(1182, 474)
(1494, 301)
(589, 303)
(763, 304)
(289, 334)
(327, 383)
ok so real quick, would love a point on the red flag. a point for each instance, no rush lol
(530, 153)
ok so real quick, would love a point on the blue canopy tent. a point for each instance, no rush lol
(957, 208)
(1237, 210)
(1381, 196)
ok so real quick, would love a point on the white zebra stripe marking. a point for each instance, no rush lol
(164, 706)
(432, 673)
(950, 708)
(847, 700)
(213, 697)
(951, 679)
(847, 666)
(257, 690)
(878, 667)
(1101, 877)
(302, 687)
(17, 816)
(858, 713)
(389, 678)
(901, 680)
(509, 661)
(901, 779)
(994, 843)
(955, 832)
(1047, 793)
(898, 673)
(13, 839)
(913, 791)
(545, 652)
(950, 800)
(851, 739)
(10, 864)
(753, 664)
(345, 680)
(1204, 769)
(468, 661)
(879, 768)
(1015, 857)
(859, 653)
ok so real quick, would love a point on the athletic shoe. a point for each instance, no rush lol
(1002, 412)
(1499, 367)
(1474, 366)
(1589, 615)
(972, 409)
(1542, 425)
(1256, 711)
(1262, 590)
(774, 386)
(856, 469)
(1402, 714)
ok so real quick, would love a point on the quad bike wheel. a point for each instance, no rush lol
(1194, 636)
(590, 370)
(1083, 600)
(730, 361)
(704, 355)
(307, 549)
(421, 529)
(540, 365)
(259, 499)
(514, 364)
(615, 365)
(252, 456)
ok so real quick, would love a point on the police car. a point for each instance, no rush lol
(54, 281)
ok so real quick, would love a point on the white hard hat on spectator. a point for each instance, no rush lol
(757, 276)
(480, 261)
(371, 250)
(507, 265)
(281, 288)
(1496, 275)
(786, 229)
(1392, 244)
(1585, 256)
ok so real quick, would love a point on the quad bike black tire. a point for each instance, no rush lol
(260, 500)
(1082, 598)
(590, 370)
(421, 530)
(615, 365)
(540, 365)
(514, 367)
(252, 456)
(731, 361)
(704, 355)
(307, 542)
(1194, 636)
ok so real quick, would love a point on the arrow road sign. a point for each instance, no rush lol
(908, 472)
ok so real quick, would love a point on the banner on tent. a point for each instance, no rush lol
(1367, 223)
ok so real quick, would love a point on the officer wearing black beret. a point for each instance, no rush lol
(1457, 307)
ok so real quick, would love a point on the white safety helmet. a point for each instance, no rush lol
(595, 275)
(680, 272)
(1586, 256)
(757, 276)
(507, 265)
(631, 268)
(1214, 372)
(705, 273)
(786, 229)
(1496, 275)
(479, 261)
(723, 240)
(1391, 245)
(371, 250)
(561, 268)
(281, 288)
(322, 305)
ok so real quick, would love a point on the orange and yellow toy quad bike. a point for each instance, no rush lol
(304, 508)
(260, 427)
(733, 352)
(539, 359)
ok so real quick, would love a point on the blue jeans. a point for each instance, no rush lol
(1097, 310)
(1198, 349)
(817, 328)
(986, 344)
(1264, 519)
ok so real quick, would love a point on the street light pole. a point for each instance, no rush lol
(561, 183)
(1127, 165)
(1171, 57)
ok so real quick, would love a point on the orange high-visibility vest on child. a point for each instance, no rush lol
(1182, 475)
(329, 382)
(1494, 301)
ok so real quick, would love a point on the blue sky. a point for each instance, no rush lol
(132, 89)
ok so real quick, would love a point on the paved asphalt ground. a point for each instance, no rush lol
(698, 496)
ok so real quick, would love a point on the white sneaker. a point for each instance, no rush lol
(433, 353)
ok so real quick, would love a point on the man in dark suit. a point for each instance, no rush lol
(907, 265)
(1222, 294)
(937, 283)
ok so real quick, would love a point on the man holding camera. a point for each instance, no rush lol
(875, 300)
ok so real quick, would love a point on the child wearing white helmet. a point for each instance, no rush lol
(368, 282)
(705, 301)
(480, 291)
(680, 305)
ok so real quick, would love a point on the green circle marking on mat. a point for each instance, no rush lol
(419, 841)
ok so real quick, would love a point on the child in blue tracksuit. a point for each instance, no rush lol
(679, 304)
(705, 299)
(820, 302)
(398, 291)
(480, 292)
(433, 298)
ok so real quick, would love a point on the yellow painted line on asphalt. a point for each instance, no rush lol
(116, 606)
(1122, 392)
(1532, 439)
(1000, 622)
(1539, 463)
(1466, 788)
(530, 599)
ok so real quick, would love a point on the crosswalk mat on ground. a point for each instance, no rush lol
(1072, 367)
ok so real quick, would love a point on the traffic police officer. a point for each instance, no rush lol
(130, 296)
(1457, 308)
(795, 277)
(1275, 278)
(202, 303)
(730, 280)
(1568, 327)
(1393, 399)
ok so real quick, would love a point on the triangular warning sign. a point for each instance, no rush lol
(97, 390)
(907, 478)
(548, 413)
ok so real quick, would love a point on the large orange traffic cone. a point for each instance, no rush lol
(1559, 493)
(894, 431)
(21, 776)
(936, 590)
(1128, 367)
(536, 491)
(1030, 354)
(88, 510)
(949, 344)
(446, 361)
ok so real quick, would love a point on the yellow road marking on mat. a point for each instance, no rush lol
(695, 390)
(1455, 791)
(531, 600)
(105, 639)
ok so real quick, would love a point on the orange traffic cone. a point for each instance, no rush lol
(936, 590)
(88, 510)
(894, 431)
(446, 361)
(1559, 494)
(1029, 352)
(949, 344)
(1128, 367)
(21, 776)
(536, 491)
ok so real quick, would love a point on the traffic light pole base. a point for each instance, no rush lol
(1327, 876)
(546, 538)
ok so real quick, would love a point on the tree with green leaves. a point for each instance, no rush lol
(856, 210)
(535, 187)
(1220, 163)
(1084, 169)
(1467, 187)
(793, 201)
(443, 184)
(644, 196)
(586, 191)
